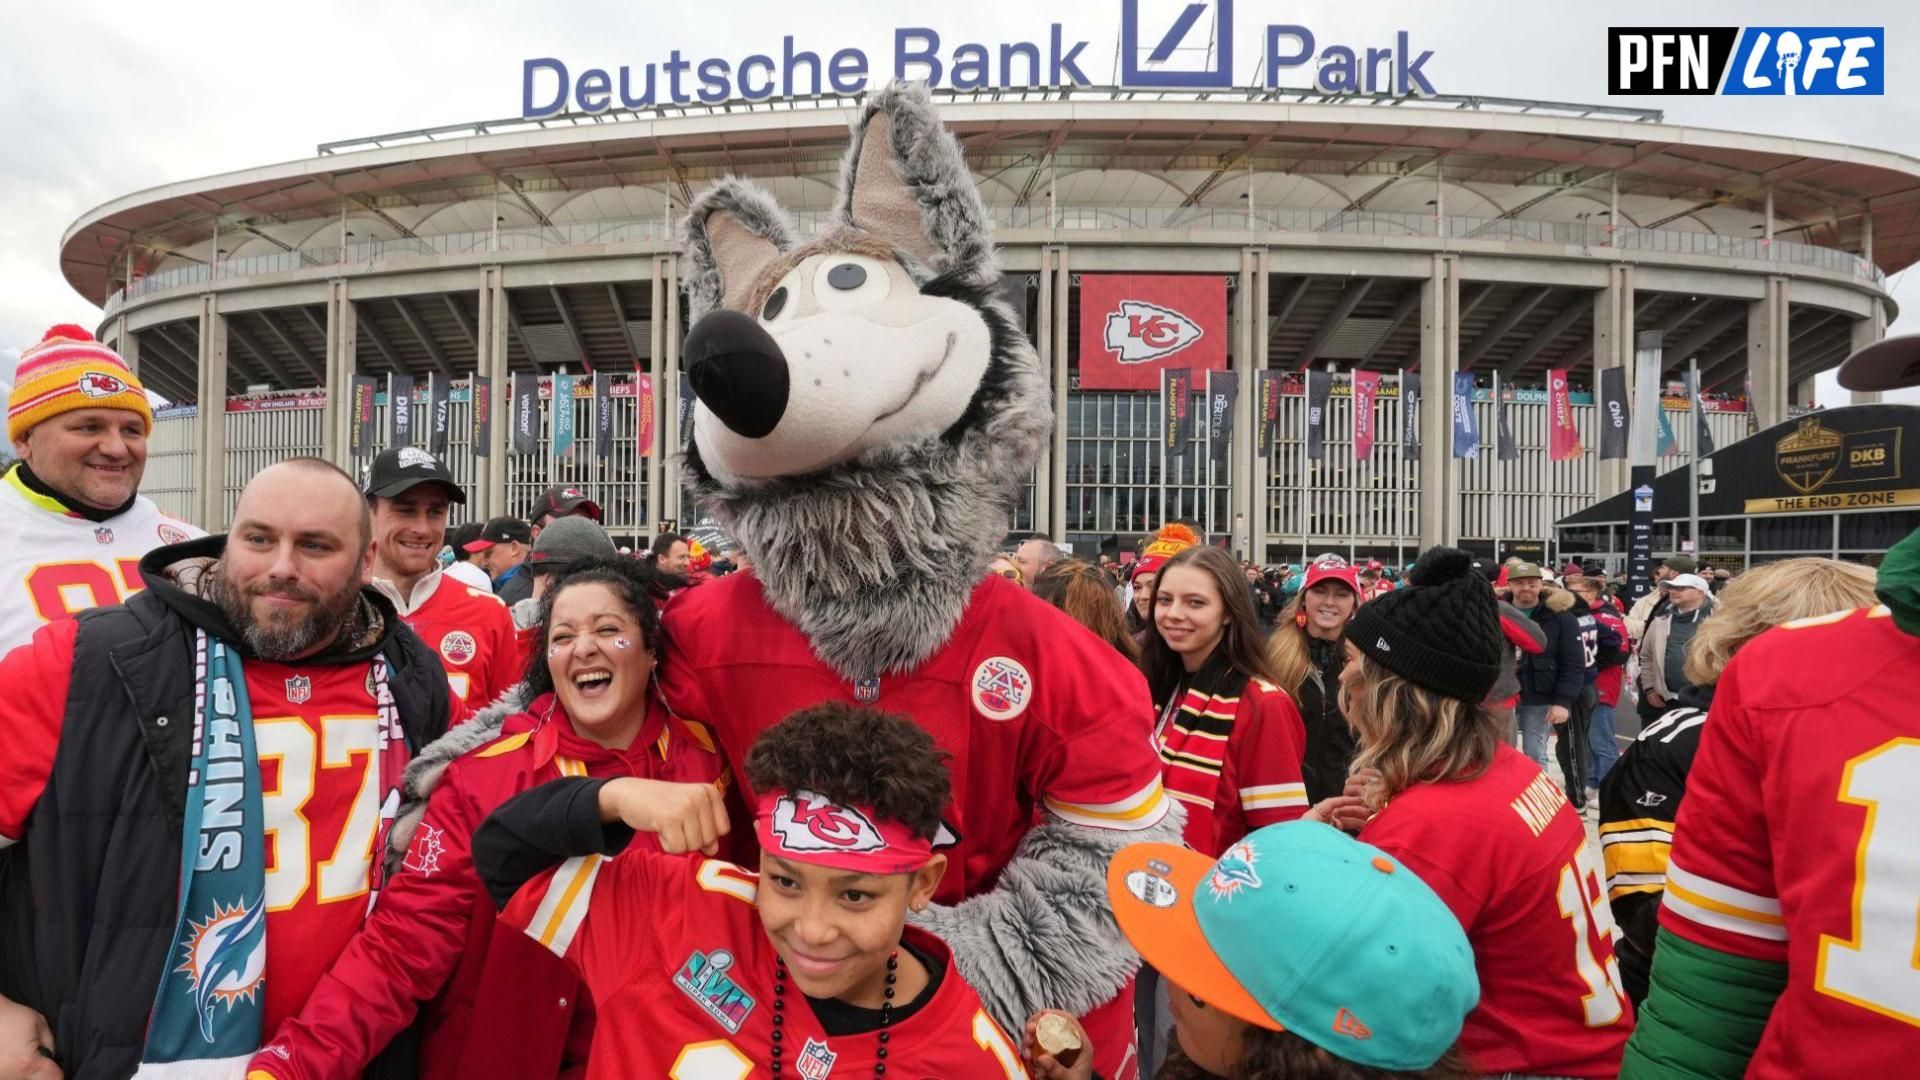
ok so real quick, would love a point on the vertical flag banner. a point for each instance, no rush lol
(1319, 390)
(1366, 387)
(400, 410)
(1410, 415)
(481, 397)
(1267, 426)
(1702, 434)
(439, 413)
(563, 414)
(364, 388)
(1668, 443)
(644, 407)
(1753, 414)
(1616, 417)
(1134, 326)
(1176, 408)
(1466, 428)
(602, 414)
(1564, 443)
(1223, 393)
(1505, 446)
(525, 402)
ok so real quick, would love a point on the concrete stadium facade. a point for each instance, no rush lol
(1501, 238)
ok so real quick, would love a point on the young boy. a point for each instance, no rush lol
(700, 968)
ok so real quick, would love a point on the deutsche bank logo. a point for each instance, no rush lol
(1147, 53)
(1789, 61)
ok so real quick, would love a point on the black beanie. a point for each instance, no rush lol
(1443, 633)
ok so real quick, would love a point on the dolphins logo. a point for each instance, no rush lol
(226, 959)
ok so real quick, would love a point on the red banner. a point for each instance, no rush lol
(1132, 326)
(1565, 442)
(1366, 386)
(643, 435)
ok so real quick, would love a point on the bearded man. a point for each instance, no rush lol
(197, 773)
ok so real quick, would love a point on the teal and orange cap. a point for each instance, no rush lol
(1299, 927)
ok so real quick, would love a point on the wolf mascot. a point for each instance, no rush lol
(867, 408)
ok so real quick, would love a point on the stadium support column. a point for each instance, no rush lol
(343, 336)
(127, 344)
(1439, 359)
(1767, 353)
(1043, 347)
(1865, 332)
(656, 348)
(212, 446)
(490, 362)
(1249, 354)
(1057, 472)
(671, 503)
(1612, 347)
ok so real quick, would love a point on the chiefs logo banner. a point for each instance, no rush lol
(1134, 325)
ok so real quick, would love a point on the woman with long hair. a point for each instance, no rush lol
(1640, 798)
(1085, 592)
(1229, 737)
(500, 1005)
(1482, 824)
(1307, 654)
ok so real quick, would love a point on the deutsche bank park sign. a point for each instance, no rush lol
(1162, 45)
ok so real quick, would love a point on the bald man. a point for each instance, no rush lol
(131, 717)
(1034, 556)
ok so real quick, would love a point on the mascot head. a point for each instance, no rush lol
(867, 407)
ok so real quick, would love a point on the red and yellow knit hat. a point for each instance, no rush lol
(69, 370)
(1171, 540)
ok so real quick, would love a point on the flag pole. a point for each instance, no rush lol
(1693, 459)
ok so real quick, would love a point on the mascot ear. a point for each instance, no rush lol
(733, 231)
(905, 182)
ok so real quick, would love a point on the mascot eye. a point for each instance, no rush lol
(780, 300)
(774, 303)
(846, 281)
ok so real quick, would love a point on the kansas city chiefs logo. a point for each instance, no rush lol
(99, 384)
(806, 822)
(1140, 331)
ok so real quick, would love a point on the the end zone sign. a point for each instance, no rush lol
(1133, 325)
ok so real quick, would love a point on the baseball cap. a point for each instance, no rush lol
(403, 468)
(1298, 927)
(1887, 364)
(1686, 581)
(501, 530)
(567, 541)
(562, 500)
(1523, 570)
(1334, 567)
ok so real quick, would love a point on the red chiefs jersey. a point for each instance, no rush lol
(1799, 840)
(473, 633)
(1233, 758)
(1608, 684)
(1511, 858)
(316, 732)
(500, 1005)
(681, 973)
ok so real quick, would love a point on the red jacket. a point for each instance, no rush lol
(1613, 677)
(1232, 748)
(496, 1003)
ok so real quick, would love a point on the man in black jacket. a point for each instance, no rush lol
(104, 716)
(1552, 679)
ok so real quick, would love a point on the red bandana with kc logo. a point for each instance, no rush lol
(806, 827)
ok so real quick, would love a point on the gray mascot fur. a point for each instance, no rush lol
(867, 409)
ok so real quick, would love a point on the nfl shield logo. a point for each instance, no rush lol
(103, 535)
(816, 1061)
(866, 691)
(299, 689)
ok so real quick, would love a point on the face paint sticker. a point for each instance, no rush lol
(553, 651)
(622, 643)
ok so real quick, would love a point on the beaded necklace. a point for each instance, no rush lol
(780, 1014)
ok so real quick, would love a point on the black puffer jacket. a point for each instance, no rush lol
(88, 897)
(1330, 742)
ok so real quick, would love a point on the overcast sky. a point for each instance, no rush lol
(109, 98)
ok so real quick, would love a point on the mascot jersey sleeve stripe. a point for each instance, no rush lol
(53, 564)
(1528, 889)
(1800, 835)
(681, 969)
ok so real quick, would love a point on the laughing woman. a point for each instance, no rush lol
(497, 1004)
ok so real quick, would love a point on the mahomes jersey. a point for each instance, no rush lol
(473, 633)
(54, 564)
(681, 973)
(1510, 858)
(1800, 840)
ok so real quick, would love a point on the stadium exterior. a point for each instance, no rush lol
(1383, 234)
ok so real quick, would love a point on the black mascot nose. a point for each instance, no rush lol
(738, 371)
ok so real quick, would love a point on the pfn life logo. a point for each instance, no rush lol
(1787, 61)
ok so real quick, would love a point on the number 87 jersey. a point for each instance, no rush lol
(1799, 841)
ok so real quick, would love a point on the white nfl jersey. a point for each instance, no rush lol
(53, 564)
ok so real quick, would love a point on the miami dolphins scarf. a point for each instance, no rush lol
(208, 1012)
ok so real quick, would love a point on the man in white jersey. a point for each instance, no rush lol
(72, 523)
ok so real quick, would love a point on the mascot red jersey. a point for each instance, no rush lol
(867, 408)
